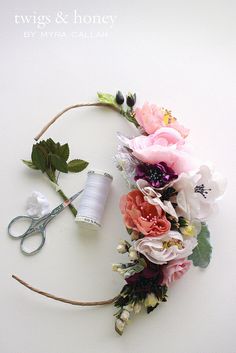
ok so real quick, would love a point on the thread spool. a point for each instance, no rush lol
(92, 203)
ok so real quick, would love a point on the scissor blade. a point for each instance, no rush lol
(64, 204)
(71, 199)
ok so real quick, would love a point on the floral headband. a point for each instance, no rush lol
(171, 196)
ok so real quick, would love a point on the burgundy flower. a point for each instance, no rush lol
(157, 175)
(145, 278)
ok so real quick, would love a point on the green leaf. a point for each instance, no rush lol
(39, 158)
(64, 151)
(59, 163)
(51, 145)
(29, 164)
(107, 99)
(77, 165)
(201, 255)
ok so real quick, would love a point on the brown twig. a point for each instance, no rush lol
(97, 104)
(63, 300)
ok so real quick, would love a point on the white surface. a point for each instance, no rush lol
(179, 54)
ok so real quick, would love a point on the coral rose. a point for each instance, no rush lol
(174, 270)
(143, 217)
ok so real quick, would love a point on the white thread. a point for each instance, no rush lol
(93, 200)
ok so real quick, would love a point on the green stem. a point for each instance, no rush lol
(71, 207)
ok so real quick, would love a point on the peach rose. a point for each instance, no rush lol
(151, 118)
(174, 270)
(143, 217)
(165, 145)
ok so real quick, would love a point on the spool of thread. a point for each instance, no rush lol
(93, 200)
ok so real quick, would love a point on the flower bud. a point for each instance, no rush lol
(125, 315)
(122, 249)
(134, 235)
(119, 325)
(133, 254)
(150, 300)
(137, 308)
(115, 267)
(131, 100)
(129, 307)
(119, 98)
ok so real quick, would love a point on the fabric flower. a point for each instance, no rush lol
(154, 198)
(175, 270)
(125, 161)
(37, 205)
(141, 216)
(166, 248)
(165, 145)
(151, 118)
(157, 175)
(198, 193)
(152, 271)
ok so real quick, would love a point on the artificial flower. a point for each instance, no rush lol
(198, 193)
(143, 217)
(166, 248)
(125, 161)
(174, 270)
(165, 145)
(150, 272)
(154, 198)
(191, 228)
(151, 118)
(37, 205)
(157, 175)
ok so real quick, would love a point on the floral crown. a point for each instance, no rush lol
(171, 196)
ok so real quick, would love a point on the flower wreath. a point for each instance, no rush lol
(165, 212)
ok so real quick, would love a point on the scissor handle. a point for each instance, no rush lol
(23, 239)
(15, 220)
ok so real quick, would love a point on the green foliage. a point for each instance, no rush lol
(77, 165)
(49, 157)
(29, 164)
(108, 99)
(111, 100)
(201, 255)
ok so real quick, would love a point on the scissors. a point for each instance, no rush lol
(38, 225)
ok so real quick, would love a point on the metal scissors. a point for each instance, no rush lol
(37, 225)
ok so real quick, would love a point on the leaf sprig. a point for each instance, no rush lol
(52, 158)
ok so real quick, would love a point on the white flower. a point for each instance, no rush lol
(170, 246)
(150, 300)
(198, 193)
(192, 229)
(125, 315)
(37, 205)
(154, 198)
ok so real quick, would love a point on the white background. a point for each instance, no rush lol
(178, 54)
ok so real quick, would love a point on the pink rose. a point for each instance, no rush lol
(165, 145)
(174, 270)
(143, 217)
(151, 118)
